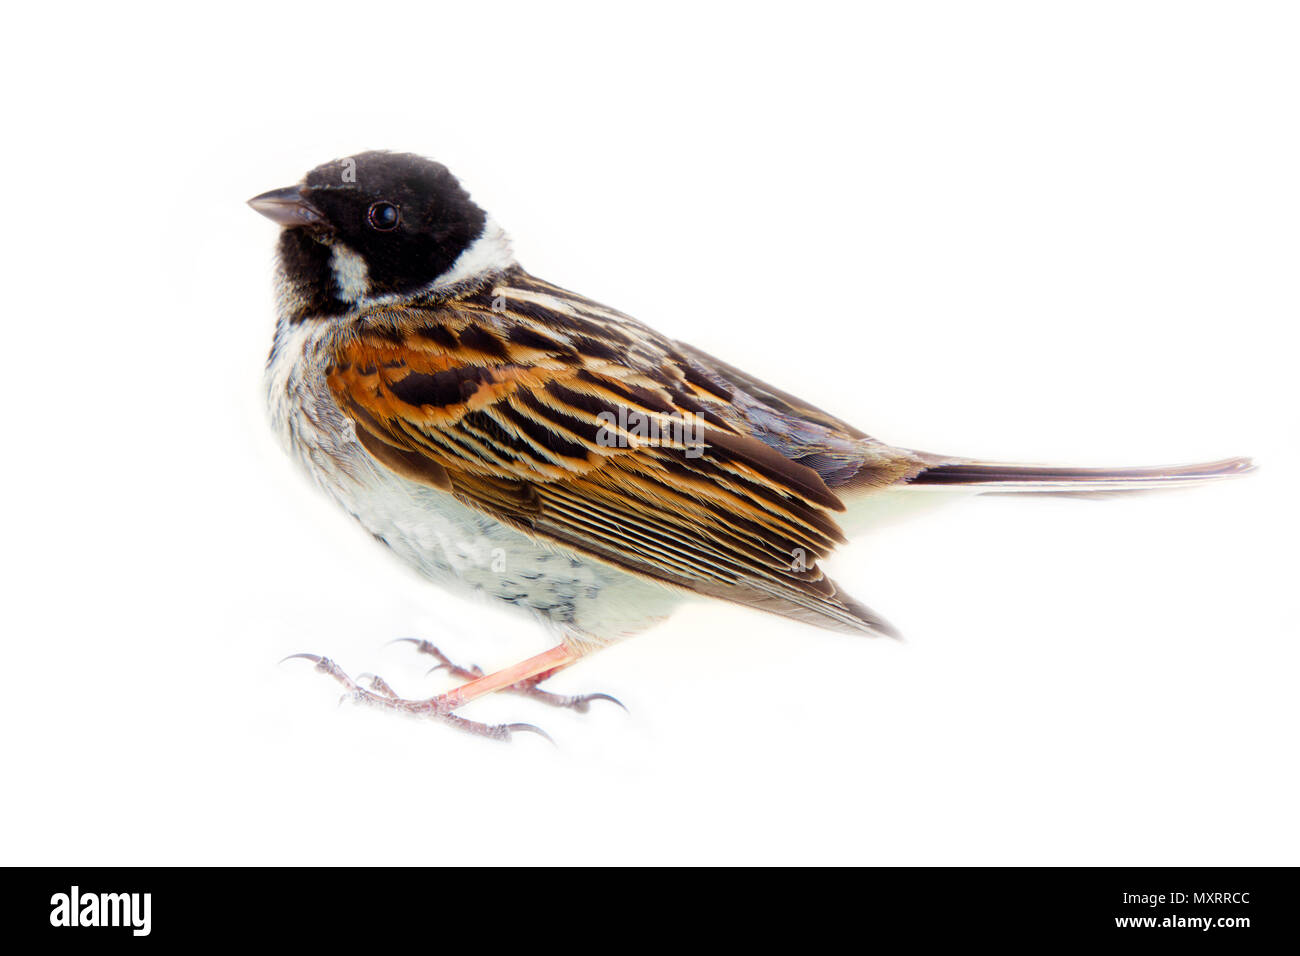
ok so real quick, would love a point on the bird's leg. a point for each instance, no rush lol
(547, 662)
(379, 694)
(527, 688)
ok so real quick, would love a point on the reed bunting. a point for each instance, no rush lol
(507, 436)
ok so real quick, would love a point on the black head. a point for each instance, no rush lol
(372, 224)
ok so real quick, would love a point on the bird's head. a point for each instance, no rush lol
(378, 224)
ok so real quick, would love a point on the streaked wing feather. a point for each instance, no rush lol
(522, 401)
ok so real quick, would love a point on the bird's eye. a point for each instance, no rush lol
(383, 216)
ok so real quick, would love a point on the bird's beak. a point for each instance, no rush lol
(287, 207)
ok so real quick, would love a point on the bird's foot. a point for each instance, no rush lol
(440, 708)
(580, 703)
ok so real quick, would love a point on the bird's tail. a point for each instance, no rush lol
(996, 478)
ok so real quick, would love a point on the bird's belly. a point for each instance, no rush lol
(456, 546)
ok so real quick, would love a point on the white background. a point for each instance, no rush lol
(1030, 231)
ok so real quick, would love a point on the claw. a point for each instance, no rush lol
(314, 658)
(501, 732)
(422, 647)
(582, 704)
(526, 729)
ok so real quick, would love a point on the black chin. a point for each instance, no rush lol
(305, 261)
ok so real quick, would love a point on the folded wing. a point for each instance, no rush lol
(541, 411)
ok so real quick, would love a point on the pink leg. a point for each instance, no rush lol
(557, 657)
(526, 688)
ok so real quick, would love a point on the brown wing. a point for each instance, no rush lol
(576, 425)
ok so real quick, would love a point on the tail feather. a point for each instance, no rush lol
(997, 478)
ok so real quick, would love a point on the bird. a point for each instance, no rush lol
(508, 437)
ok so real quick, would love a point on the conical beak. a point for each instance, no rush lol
(287, 207)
